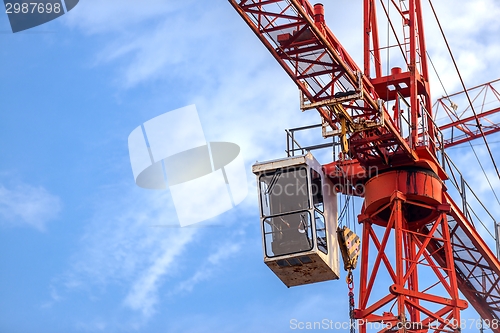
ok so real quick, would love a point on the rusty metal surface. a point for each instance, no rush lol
(315, 271)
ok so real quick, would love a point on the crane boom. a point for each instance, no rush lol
(460, 125)
(296, 35)
(478, 269)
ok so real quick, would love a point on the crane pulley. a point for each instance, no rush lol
(349, 247)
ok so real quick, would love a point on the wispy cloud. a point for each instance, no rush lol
(208, 269)
(26, 205)
(471, 30)
(131, 243)
(204, 54)
(150, 39)
(121, 238)
(55, 297)
(143, 294)
(94, 16)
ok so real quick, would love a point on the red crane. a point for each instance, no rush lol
(414, 234)
(461, 125)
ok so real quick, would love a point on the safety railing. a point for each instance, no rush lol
(472, 207)
(293, 147)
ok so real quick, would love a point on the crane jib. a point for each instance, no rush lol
(330, 81)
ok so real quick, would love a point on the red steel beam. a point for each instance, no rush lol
(297, 36)
(461, 126)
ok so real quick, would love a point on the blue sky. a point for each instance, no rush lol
(80, 246)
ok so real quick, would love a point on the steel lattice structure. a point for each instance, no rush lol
(394, 158)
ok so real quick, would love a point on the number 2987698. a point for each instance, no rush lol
(32, 8)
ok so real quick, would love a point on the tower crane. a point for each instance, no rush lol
(392, 155)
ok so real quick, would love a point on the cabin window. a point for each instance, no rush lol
(288, 234)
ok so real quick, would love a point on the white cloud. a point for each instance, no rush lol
(132, 231)
(171, 36)
(471, 30)
(143, 294)
(241, 93)
(225, 70)
(26, 205)
(473, 17)
(133, 243)
(94, 16)
(119, 246)
(152, 54)
(55, 297)
(207, 270)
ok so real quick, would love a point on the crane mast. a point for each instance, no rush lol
(411, 80)
(418, 249)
